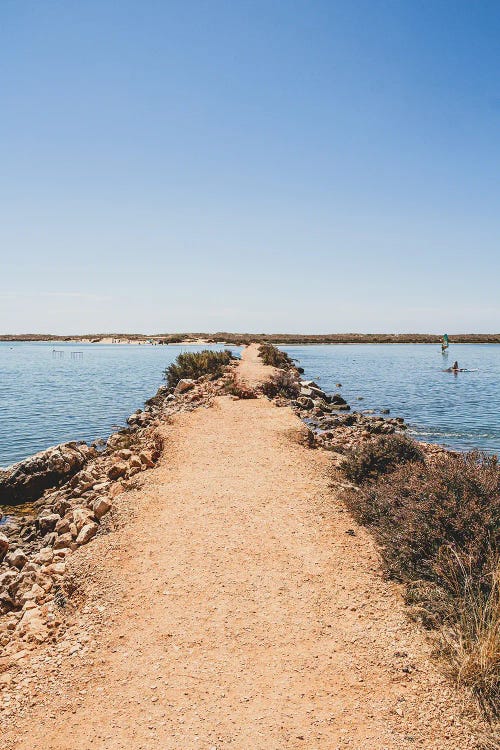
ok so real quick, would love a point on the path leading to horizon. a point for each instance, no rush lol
(233, 611)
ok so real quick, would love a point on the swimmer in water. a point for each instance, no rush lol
(453, 368)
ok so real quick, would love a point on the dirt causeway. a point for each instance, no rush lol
(239, 607)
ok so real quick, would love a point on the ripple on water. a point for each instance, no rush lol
(462, 411)
(46, 399)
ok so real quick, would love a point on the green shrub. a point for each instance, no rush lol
(195, 364)
(270, 355)
(438, 525)
(379, 456)
(174, 338)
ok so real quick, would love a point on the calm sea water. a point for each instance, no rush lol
(461, 411)
(48, 398)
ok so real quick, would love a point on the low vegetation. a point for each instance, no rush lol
(379, 456)
(438, 526)
(238, 339)
(281, 384)
(274, 357)
(235, 387)
(195, 364)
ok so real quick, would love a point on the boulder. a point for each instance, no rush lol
(101, 506)
(62, 526)
(185, 384)
(337, 399)
(27, 480)
(124, 454)
(310, 384)
(16, 558)
(31, 624)
(146, 458)
(117, 470)
(140, 418)
(4, 545)
(56, 568)
(87, 532)
(116, 489)
(47, 522)
(63, 541)
(81, 517)
(44, 557)
(305, 402)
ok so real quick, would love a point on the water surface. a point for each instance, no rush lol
(77, 392)
(461, 411)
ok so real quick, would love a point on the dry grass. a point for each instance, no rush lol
(281, 384)
(235, 387)
(438, 526)
(473, 647)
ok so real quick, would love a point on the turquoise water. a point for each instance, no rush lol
(461, 411)
(48, 398)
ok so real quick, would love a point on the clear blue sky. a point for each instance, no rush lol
(251, 166)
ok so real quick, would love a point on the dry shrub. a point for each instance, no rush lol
(438, 525)
(281, 384)
(158, 445)
(192, 365)
(235, 387)
(379, 456)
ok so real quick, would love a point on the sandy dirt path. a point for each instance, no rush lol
(233, 611)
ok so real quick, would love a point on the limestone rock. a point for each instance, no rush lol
(117, 470)
(63, 541)
(28, 479)
(87, 532)
(101, 506)
(146, 458)
(185, 384)
(4, 545)
(17, 559)
(47, 522)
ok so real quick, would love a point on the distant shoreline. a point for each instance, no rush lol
(245, 338)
